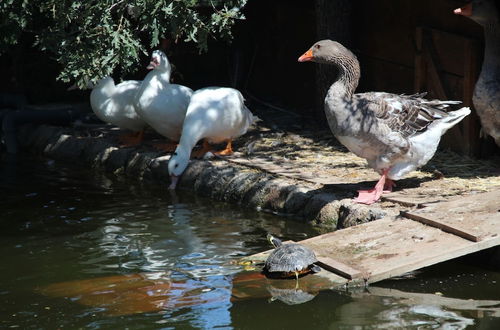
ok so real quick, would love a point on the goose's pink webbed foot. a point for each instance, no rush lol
(370, 196)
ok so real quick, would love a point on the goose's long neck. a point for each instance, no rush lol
(158, 77)
(190, 136)
(338, 102)
(492, 44)
(347, 79)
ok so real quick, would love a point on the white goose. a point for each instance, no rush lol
(215, 114)
(486, 97)
(395, 133)
(161, 104)
(115, 104)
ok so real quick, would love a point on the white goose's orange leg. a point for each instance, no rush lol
(228, 151)
(132, 139)
(167, 147)
(206, 147)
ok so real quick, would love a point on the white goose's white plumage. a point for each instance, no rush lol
(216, 114)
(161, 104)
(115, 104)
(486, 97)
(395, 133)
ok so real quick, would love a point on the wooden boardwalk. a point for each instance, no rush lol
(422, 237)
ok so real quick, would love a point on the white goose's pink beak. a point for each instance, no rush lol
(173, 182)
(464, 11)
(153, 64)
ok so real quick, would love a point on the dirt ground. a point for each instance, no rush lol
(287, 144)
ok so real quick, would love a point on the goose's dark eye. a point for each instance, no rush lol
(318, 46)
(175, 154)
(176, 165)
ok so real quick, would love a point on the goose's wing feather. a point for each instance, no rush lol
(405, 115)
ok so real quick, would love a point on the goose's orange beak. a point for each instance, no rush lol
(307, 56)
(464, 11)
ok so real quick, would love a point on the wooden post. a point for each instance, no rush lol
(471, 122)
(333, 21)
(420, 67)
(430, 76)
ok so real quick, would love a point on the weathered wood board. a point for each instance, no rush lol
(409, 199)
(390, 247)
(477, 216)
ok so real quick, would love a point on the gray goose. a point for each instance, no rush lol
(395, 133)
(486, 97)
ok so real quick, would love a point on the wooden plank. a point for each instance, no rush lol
(434, 66)
(390, 247)
(440, 61)
(411, 200)
(387, 247)
(447, 228)
(451, 48)
(339, 268)
(474, 217)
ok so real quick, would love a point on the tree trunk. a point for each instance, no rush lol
(333, 21)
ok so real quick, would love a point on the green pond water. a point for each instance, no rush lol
(68, 227)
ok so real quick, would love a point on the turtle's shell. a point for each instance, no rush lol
(290, 258)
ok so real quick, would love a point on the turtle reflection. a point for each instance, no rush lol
(290, 296)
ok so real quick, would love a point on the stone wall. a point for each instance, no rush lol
(217, 178)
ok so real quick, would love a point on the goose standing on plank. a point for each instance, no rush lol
(215, 114)
(161, 104)
(486, 97)
(395, 133)
(115, 104)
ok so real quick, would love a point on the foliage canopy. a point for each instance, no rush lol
(90, 38)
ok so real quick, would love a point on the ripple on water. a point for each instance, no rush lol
(65, 225)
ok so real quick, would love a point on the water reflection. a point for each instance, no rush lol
(290, 296)
(65, 225)
(80, 249)
(227, 297)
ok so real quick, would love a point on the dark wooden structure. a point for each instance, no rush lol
(414, 46)
(450, 79)
(404, 46)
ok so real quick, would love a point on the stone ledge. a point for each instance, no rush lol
(217, 179)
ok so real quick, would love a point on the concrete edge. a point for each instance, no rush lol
(216, 179)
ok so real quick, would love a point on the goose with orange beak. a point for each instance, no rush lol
(395, 133)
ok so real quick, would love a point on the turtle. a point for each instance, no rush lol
(289, 260)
